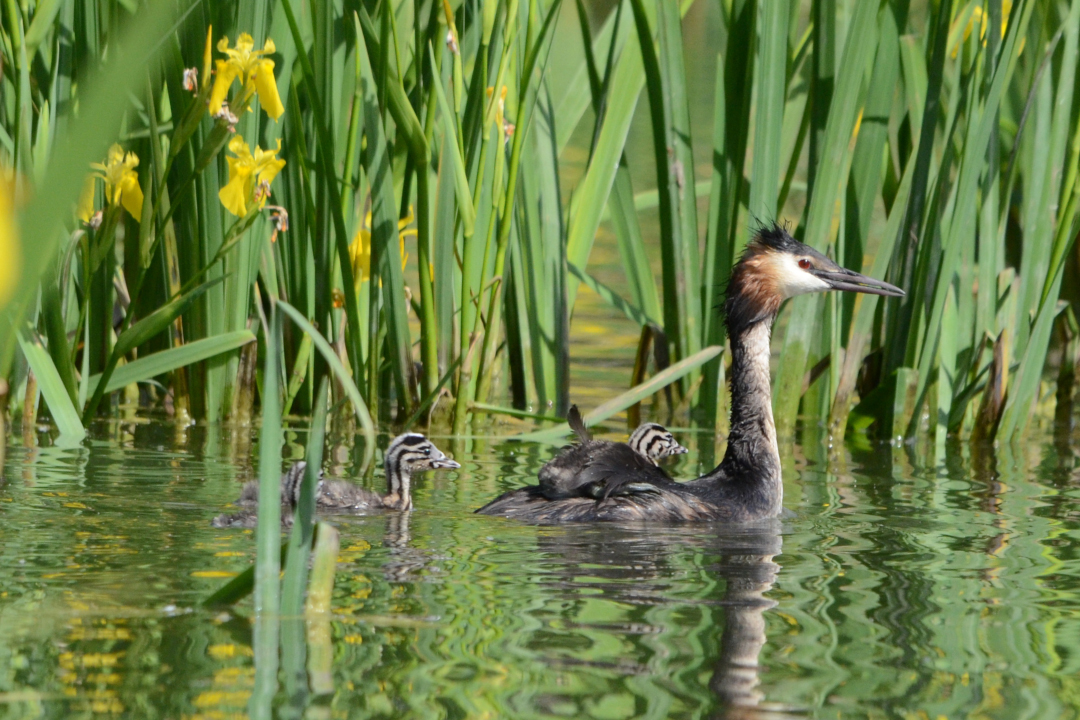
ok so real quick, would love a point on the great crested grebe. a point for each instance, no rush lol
(561, 478)
(747, 484)
(407, 455)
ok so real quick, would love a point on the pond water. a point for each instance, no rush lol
(892, 590)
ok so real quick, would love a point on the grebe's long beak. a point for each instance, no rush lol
(844, 279)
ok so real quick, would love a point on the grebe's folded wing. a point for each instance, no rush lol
(559, 477)
(618, 470)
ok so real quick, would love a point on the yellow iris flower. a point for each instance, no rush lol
(256, 74)
(10, 256)
(360, 248)
(249, 176)
(979, 18)
(500, 105)
(121, 184)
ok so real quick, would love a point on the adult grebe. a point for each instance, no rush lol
(747, 484)
(561, 477)
(407, 454)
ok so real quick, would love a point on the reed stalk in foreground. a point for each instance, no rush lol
(268, 533)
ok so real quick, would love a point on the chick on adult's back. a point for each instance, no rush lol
(562, 476)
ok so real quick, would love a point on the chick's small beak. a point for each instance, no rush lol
(446, 463)
(680, 450)
(851, 281)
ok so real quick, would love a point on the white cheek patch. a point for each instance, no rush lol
(792, 280)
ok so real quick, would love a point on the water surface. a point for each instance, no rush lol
(892, 590)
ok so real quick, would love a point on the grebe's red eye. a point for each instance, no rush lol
(804, 264)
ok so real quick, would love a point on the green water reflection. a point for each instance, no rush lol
(891, 591)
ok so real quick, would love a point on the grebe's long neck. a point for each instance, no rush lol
(398, 480)
(752, 461)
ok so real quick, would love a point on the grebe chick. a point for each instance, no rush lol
(654, 442)
(561, 477)
(408, 454)
(291, 481)
(746, 486)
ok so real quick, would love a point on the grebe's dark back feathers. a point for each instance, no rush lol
(620, 470)
(559, 477)
(591, 470)
(567, 474)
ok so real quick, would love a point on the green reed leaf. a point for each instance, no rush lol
(51, 386)
(634, 395)
(342, 375)
(612, 298)
(166, 361)
(452, 151)
(843, 111)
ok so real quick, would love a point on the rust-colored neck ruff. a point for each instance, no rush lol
(752, 293)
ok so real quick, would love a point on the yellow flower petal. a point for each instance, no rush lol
(131, 195)
(238, 147)
(244, 45)
(266, 87)
(223, 80)
(86, 200)
(121, 184)
(267, 164)
(255, 72)
(237, 191)
(10, 260)
(115, 156)
(246, 172)
(360, 252)
(207, 57)
(234, 195)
